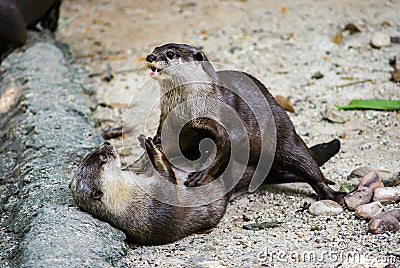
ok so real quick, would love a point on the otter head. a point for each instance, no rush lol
(89, 184)
(179, 63)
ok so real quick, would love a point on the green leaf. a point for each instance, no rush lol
(385, 105)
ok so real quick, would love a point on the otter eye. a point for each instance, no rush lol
(103, 158)
(198, 56)
(97, 194)
(171, 55)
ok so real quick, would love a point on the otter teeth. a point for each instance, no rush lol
(154, 69)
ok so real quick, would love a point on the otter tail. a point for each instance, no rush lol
(324, 151)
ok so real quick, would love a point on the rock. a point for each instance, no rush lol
(360, 197)
(387, 194)
(380, 39)
(388, 178)
(385, 222)
(48, 132)
(371, 181)
(317, 75)
(392, 179)
(209, 264)
(367, 211)
(325, 208)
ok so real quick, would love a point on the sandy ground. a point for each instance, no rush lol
(283, 44)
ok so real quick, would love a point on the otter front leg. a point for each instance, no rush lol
(158, 159)
(216, 167)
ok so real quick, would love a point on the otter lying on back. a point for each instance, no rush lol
(102, 189)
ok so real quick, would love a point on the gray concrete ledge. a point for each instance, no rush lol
(43, 137)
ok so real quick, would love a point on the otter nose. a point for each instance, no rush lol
(151, 58)
(107, 143)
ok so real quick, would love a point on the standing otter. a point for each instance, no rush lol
(18, 15)
(176, 66)
(101, 188)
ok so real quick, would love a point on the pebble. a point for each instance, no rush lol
(367, 211)
(209, 264)
(385, 222)
(371, 181)
(388, 178)
(380, 39)
(387, 195)
(357, 198)
(325, 208)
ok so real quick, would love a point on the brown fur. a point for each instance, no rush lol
(18, 15)
(102, 189)
(293, 161)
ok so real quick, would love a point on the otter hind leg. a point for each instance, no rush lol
(321, 153)
(296, 158)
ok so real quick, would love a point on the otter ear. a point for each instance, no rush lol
(198, 56)
(97, 194)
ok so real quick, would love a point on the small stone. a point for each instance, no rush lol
(325, 208)
(317, 75)
(385, 222)
(371, 181)
(209, 264)
(387, 195)
(388, 178)
(360, 197)
(392, 179)
(380, 39)
(262, 225)
(334, 116)
(367, 211)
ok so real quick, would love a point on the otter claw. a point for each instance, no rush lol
(197, 179)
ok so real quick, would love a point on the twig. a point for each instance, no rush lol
(123, 71)
(354, 83)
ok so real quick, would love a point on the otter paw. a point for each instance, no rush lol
(142, 141)
(157, 140)
(150, 144)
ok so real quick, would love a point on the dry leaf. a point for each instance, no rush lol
(118, 105)
(112, 132)
(396, 70)
(141, 58)
(285, 103)
(283, 9)
(334, 117)
(337, 38)
(350, 27)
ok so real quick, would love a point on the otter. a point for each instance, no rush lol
(292, 161)
(18, 15)
(101, 188)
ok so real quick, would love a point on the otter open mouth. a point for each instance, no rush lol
(155, 72)
(154, 69)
